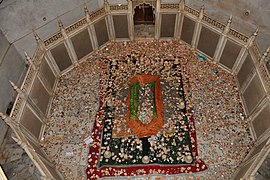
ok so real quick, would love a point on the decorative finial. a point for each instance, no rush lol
(85, 9)
(256, 32)
(3, 116)
(265, 54)
(62, 28)
(18, 90)
(229, 20)
(38, 40)
(60, 24)
(228, 26)
(202, 9)
(15, 139)
(106, 5)
(201, 12)
(27, 58)
(251, 39)
(86, 12)
(182, 5)
(7, 119)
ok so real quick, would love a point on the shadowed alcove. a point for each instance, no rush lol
(144, 20)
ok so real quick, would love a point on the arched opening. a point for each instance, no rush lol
(144, 20)
(144, 14)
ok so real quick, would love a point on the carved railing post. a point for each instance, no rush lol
(42, 46)
(228, 26)
(201, 13)
(182, 6)
(9, 121)
(62, 29)
(264, 56)
(109, 20)
(197, 31)
(157, 21)
(68, 43)
(106, 6)
(222, 40)
(180, 19)
(130, 20)
(263, 72)
(251, 39)
(39, 41)
(87, 15)
(29, 61)
(90, 28)
(18, 90)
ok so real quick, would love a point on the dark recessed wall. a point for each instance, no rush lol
(245, 70)
(82, 44)
(31, 122)
(262, 122)
(167, 25)
(47, 73)
(40, 96)
(187, 30)
(120, 26)
(61, 56)
(208, 41)
(101, 32)
(230, 54)
(253, 94)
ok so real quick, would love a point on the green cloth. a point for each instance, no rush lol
(134, 100)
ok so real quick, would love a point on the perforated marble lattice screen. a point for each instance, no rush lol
(30, 121)
(187, 30)
(61, 56)
(40, 96)
(245, 69)
(167, 25)
(230, 54)
(253, 94)
(208, 41)
(261, 123)
(82, 44)
(101, 32)
(120, 26)
(47, 74)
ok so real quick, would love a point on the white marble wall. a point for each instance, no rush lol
(18, 18)
(258, 16)
(11, 68)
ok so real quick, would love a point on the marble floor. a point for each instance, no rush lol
(144, 31)
(222, 134)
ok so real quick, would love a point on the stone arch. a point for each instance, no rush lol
(144, 13)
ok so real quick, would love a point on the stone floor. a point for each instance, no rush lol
(16, 163)
(144, 31)
(222, 134)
